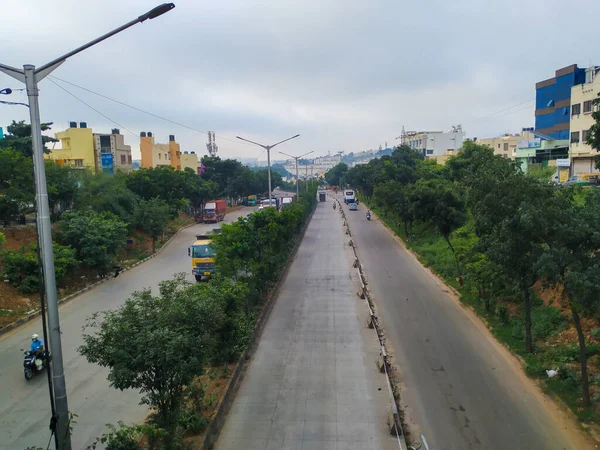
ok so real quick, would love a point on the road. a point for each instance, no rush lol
(24, 406)
(313, 382)
(460, 387)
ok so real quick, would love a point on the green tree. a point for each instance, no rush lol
(16, 184)
(441, 203)
(95, 236)
(19, 138)
(593, 137)
(570, 259)
(152, 216)
(156, 344)
(334, 175)
(395, 200)
(62, 186)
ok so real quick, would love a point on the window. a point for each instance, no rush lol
(498, 145)
(550, 104)
(587, 106)
(430, 152)
(169, 156)
(129, 159)
(123, 159)
(565, 111)
(584, 135)
(576, 109)
(506, 146)
(78, 162)
(574, 137)
(505, 155)
(159, 156)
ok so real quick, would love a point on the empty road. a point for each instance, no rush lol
(24, 406)
(461, 388)
(313, 383)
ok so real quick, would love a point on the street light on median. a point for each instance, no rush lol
(31, 76)
(297, 158)
(268, 149)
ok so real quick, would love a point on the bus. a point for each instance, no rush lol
(349, 196)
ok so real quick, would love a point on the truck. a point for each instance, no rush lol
(214, 211)
(252, 200)
(272, 203)
(285, 202)
(203, 256)
(322, 196)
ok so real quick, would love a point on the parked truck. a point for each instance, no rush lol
(214, 211)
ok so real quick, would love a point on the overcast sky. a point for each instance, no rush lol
(345, 74)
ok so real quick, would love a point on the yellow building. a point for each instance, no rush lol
(77, 147)
(581, 154)
(506, 146)
(154, 154)
(189, 160)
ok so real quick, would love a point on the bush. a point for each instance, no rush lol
(22, 270)
(503, 313)
(546, 320)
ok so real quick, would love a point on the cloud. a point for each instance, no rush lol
(346, 75)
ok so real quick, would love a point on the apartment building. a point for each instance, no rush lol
(435, 144)
(77, 147)
(506, 145)
(155, 154)
(111, 152)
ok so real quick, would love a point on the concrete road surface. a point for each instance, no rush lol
(313, 383)
(460, 388)
(24, 406)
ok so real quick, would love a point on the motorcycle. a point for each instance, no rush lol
(33, 363)
(368, 216)
(334, 206)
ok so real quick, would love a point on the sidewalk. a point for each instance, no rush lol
(313, 383)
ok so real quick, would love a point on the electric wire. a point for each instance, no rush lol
(499, 111)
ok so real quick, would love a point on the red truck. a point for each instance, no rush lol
(214, 211)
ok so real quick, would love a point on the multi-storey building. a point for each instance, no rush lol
(154, 154)
(553, 101)
(582, 95)
(77, 147)
(111, 152)
(506, 145)
(436, 143)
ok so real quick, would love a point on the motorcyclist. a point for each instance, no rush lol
(368, 214)
(37, 348)
(333, 205)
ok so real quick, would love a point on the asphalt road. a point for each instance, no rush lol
(313, 382)
(24, 406)
(460, 388)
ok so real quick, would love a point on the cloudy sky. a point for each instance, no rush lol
(345, 74)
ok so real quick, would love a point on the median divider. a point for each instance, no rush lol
(394, 421)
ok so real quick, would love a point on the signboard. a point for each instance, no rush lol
(1, 133)
(107, 163)
(563, 162)
(534, 143)
(563, 175)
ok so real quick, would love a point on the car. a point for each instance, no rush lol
(353, 207)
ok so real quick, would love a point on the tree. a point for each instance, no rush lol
(152, 216)
(509, 230)
(442, 203)
(95, 236)
(395, 200)
(16, 184)
(19, 138)
(103, 192)
(156, 344)
(570, 259)
(334, 175)
(62, 186)
(593, 137)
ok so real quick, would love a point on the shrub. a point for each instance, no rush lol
(22, 270)
(503, 313)
(546, 320)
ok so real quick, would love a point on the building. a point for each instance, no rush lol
(154, 155)
(547, 152)
(436, 143)
(77, 147)
(553, 101)
(111, 153)
(190, 160)
(581, 154)
(506, 145)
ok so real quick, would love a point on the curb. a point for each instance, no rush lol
(70, 297)
(214, 429)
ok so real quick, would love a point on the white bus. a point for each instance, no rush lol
(349, 196)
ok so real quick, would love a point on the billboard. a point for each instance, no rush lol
(1, 133)
(107, 163)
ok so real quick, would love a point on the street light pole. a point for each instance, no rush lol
(297, 176)
(268, 149)
(31, 76)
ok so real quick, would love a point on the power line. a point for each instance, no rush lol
(499, 111)
(52, 77)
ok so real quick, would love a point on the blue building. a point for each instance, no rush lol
(553, 102)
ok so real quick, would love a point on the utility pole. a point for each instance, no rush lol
(297, 176)
(268, 149)
(306, 167)
(31, 76)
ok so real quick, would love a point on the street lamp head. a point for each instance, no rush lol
(158, 11)
(6, 91)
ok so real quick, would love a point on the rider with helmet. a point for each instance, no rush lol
(37, 348)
